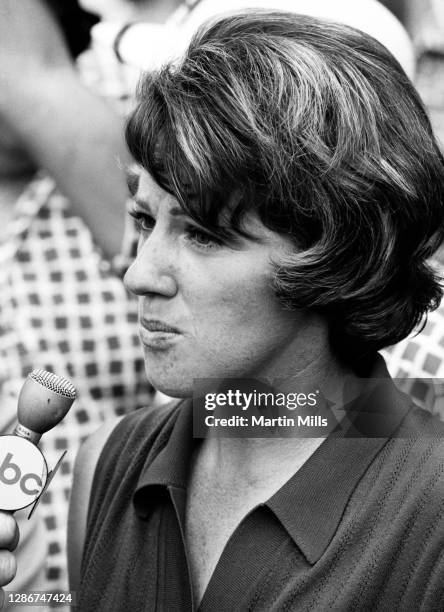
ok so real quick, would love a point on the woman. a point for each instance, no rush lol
(288, 194)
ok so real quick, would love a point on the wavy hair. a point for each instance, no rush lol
(314, 126)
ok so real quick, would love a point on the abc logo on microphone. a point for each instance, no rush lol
(23, 472)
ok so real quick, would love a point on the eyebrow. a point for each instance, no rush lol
(176, 211)
(132, 180)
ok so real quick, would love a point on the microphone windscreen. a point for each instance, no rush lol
(44, 401)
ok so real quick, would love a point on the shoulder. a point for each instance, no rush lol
(84, 468)
(139, 428)
(107, 440)
(110, 448)
(416, 456)
(141, 422)
(414, 492)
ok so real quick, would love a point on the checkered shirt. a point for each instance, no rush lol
(63, 309)
(417, 364)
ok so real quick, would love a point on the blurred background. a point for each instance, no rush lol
(424, 21)
(74, 132)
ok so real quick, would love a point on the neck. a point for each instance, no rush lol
(255, 463)
(258, 460)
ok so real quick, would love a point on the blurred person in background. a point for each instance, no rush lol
(170, 25)
(63, 306)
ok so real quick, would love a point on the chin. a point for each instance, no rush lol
(173, 391)
(175, 388)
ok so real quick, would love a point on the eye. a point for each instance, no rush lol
(143, 221)
(202, 239)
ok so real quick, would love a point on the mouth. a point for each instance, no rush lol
(156, 334)
(154, 325)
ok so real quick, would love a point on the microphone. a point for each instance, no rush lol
(43, 402)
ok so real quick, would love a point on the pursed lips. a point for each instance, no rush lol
(154, 325)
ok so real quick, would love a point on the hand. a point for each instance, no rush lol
(9, 536)
(31, 46)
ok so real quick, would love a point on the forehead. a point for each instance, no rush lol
(145, 190)
(149, 194)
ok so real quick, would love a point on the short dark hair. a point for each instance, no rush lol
(315, 126)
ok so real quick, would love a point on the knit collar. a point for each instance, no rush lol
(311, 503)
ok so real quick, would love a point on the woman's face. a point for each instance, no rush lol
(206, 309)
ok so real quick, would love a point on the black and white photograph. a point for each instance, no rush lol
(221, 315)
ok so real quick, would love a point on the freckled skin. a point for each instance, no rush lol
(220, 298)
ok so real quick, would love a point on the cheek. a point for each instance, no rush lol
(233, 302)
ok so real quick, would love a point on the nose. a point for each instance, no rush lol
(153, 271)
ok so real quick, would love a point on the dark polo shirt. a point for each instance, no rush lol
(359, 527)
